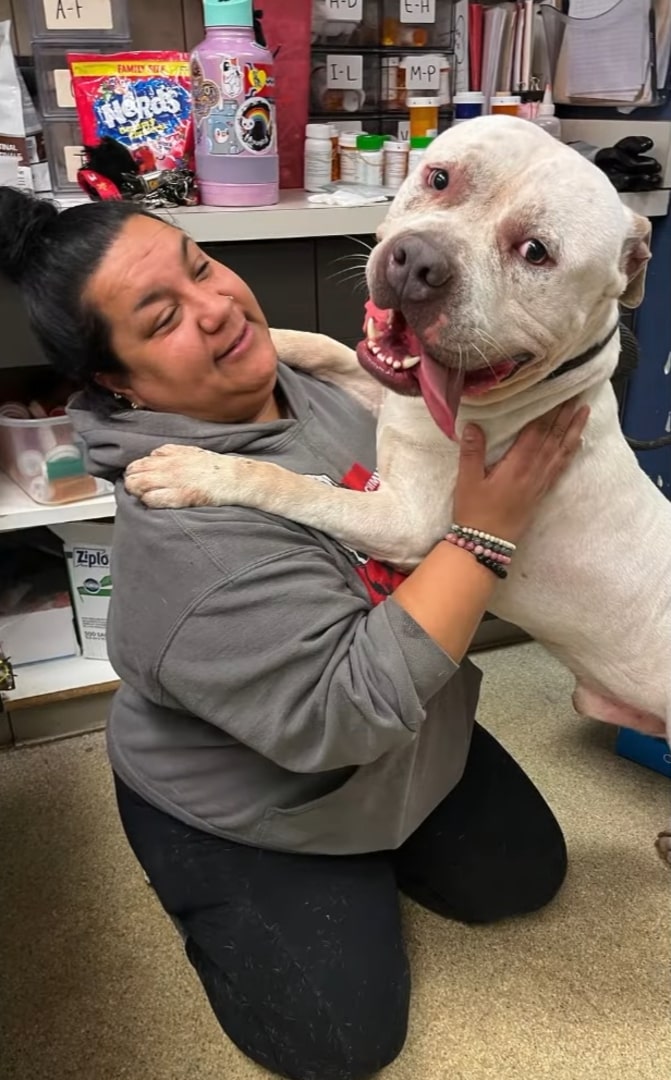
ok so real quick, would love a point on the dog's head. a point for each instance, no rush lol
(503, 255)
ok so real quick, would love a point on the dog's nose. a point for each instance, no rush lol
(417, 268)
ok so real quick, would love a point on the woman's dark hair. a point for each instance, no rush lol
(51, 255)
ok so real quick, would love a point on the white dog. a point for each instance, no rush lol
(495, 291)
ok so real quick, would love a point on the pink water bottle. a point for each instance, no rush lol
(233, 87)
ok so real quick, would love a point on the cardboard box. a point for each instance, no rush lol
(88, 550)
(33, 636)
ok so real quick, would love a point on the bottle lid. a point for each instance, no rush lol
(420, 142)
(506, 99)
(396, 147)
(423, 102)
(348, 139)
(318, 131)
(546, 107)
(469, 97)
(369, 142)
(228, 13)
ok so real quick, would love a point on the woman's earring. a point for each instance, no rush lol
(126, 401)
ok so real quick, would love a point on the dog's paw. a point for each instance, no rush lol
(177, 476)
(663, 845)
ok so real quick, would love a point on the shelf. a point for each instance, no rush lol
(292, 218)
(18, 511)
(59, 680)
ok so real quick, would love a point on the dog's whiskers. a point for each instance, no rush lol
(358, 240)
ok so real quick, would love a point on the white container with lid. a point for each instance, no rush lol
(396, 156)
(318, 156)
(371, 159)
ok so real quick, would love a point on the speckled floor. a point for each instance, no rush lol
(94, 986)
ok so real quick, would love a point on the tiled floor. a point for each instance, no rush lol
(94, 986)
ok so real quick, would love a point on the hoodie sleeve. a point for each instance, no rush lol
(288, 660)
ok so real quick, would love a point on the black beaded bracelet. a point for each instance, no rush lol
(490, 551)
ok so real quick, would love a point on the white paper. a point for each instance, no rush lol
(343, 10)
(417, 11)
(9, 171)
(73, 157)
(344, 72)
(63, 84)
(422, 72)
(608, 49)
(69, 15)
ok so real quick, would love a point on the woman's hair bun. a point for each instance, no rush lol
(25, 224)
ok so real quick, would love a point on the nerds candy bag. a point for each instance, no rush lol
(141, 100)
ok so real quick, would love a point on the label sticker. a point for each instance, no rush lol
(254, 124)
(350, 11)
(231, 77)
(403, 130)
(344, 72)
(206, 95)
(222, 135)
(417, 11)
(259, 80)
(73, 157)
(63, 87)
(68, 15)
(422, 73)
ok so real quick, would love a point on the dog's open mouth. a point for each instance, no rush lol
(393, 355)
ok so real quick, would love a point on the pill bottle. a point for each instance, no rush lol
(505, 105)
(318, 156)
(417, 147)
(349, 157)
(467, 105)
(396, 156)
(371, 159)
(423, 116)
(335, 153)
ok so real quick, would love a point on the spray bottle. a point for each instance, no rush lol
(545, 118)
(233, 86)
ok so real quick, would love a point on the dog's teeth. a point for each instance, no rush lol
(410, 361)
(397, 365)
(374, 348)
(390, 318)
(371, 330)
(387, 359)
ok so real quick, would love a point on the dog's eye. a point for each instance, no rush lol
(438, 179)
(534, 252)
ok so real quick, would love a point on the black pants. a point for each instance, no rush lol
(302, 956)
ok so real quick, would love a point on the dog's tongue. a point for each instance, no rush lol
(441, 389)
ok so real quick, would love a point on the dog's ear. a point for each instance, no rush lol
(634, 260)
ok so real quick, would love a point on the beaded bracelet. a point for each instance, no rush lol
(490, 551)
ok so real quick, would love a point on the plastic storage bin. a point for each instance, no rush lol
(42, 457)
(333, 24)
(78, 21)
(54, 80)
(63, 140)
(418, 24)
(344, 83)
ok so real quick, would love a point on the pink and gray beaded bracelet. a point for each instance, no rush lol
(491, 551)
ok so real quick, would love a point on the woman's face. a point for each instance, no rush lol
(189, 332)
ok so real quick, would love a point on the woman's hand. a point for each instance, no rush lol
(503, 500)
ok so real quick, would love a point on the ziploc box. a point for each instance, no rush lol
(88, 551)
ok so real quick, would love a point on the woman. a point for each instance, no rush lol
(287, 754)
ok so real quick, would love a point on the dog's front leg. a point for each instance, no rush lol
(374, 522)
(330, 361)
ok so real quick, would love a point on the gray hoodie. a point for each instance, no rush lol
(272, 693)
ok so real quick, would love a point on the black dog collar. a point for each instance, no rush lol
(584, 358)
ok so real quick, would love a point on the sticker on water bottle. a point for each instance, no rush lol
(221, 131)
(231, 77)
(255, 124)
(206, 94)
